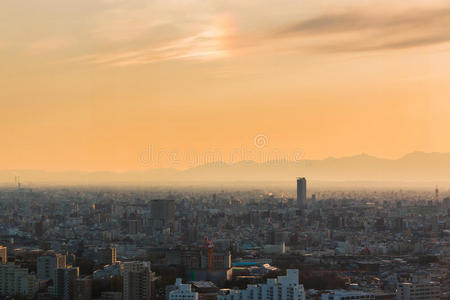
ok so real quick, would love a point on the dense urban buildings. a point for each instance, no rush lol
(224, 244)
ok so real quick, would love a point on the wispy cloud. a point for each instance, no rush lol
(211, 42)
(369, 31)
(136, 33)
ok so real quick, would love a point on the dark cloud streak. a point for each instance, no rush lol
(356, 31)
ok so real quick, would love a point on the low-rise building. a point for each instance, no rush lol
(182, 292)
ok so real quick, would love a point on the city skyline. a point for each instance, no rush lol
(225, 149)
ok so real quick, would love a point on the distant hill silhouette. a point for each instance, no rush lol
(416, 166)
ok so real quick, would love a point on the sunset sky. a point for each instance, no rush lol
(90, 84)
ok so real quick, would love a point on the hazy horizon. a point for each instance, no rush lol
(414, 169)
(198, 163)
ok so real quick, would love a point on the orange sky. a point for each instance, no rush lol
(91, 84)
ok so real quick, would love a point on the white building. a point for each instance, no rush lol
(419, 290)
(344, 295)
(182, 292)
(282, 288)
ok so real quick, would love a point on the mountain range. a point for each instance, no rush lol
(413, 167)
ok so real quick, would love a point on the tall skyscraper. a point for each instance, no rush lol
(137, 280)
(301, 192)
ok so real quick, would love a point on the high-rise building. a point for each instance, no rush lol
(48, 264)
(137, 280)
(282, 288)
(163, 211)
(83, 289)
(65, 283)
(182, 292)
(15, 280)
(106, 256)
(301, 192)
(3, 255)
